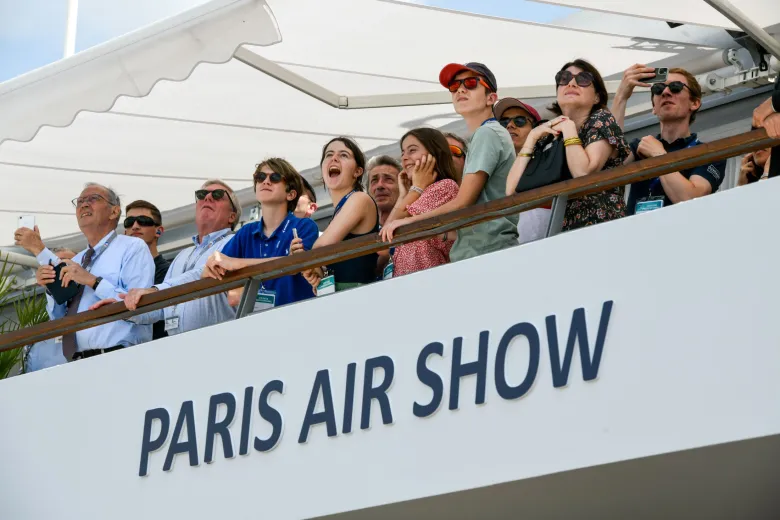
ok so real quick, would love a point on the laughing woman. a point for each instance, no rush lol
(593, 140)
(356, 214)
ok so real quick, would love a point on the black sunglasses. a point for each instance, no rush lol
(675, 87)
(215, 194)
(142, 220)
(519, 121)
(276, 178)
(583, 79)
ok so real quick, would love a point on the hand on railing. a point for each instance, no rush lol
(133, 296)
(218, 265)
(101, 303)
(313, 276)
(388, 230)
(45, 275)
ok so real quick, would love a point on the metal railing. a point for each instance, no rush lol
(251, 276)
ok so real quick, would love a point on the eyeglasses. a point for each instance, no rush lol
(276, 178)
(583, 79)
(470, 84)
(89, 199)
(457, 151)
(518, 121)
(675, 87)
(142, 220)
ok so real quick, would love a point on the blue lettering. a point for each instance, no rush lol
(246, 421)
(379, 393)
(327, 416)
(430, 379)
(149, 445)
(502, 386)
(270, 414)
(190, 446)
(214, 428)
(577, 332)
(349, 399)
(459, 370)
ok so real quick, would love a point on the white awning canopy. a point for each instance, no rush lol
(154, 139)
(696, 12)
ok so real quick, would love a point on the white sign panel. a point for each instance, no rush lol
(621, 341)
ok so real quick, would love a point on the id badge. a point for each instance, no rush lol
(387, 273)
(264, 300)
(649, 204)
(326, 286)
(171, 323)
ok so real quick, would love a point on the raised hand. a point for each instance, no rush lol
(424, 172)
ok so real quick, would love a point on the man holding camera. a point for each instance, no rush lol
(109, 266)
(675, 100)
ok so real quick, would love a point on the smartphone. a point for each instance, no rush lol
(26, 221)
(295, 233)
(660, 76)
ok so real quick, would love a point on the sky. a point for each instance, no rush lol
(32, 32)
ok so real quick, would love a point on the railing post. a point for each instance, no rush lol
(556, 217)
(247, 304)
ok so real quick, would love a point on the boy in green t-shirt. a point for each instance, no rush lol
(488, 161)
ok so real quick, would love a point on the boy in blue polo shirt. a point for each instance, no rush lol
(278, 187)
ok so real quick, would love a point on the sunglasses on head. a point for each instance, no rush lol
(276, 178)
(469, 83)
(583, 79)
(675, 87)
(518, 121)
(142, 220)
(457, 151)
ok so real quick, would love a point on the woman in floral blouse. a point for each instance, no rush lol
(594, 142)
(427, 182)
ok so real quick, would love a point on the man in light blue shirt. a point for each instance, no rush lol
(217, 212)
(108, 267)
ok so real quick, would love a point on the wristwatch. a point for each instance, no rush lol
(97, 282)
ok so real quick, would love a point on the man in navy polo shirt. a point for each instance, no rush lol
(675, 102)
(278, 187)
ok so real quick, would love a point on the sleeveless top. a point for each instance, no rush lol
(363, 268)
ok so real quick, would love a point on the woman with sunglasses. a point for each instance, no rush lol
(278, 186)
(593, 141)
(356, 214)
(427, 161)
(459, 149)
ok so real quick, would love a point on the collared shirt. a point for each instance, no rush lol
(125, 263)
(44, 354)
(188, 267)
(714, 173)
(251, 242)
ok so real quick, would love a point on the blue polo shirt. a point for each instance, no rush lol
(714, 173)
(250, 242)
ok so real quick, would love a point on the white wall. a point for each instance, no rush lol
(689, 360)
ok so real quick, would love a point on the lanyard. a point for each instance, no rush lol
(202, 252)
(657, 181)
(100, 251)
(486, 121)
(341, 203)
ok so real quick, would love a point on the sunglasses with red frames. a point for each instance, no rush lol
(457, 151)
(470, 84)
(583, 79)
(675, 87)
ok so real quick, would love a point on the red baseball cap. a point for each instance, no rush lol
(509, 102)
(453, 69)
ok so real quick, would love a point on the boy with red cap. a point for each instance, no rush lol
(491, 154)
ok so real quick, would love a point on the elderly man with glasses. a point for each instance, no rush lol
(109, 266)
(217, 213)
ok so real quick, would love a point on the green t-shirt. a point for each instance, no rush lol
(490, 151)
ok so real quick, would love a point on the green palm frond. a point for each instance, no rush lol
(29, 310)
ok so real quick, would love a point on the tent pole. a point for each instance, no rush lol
(755, 31)
(70, 28)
